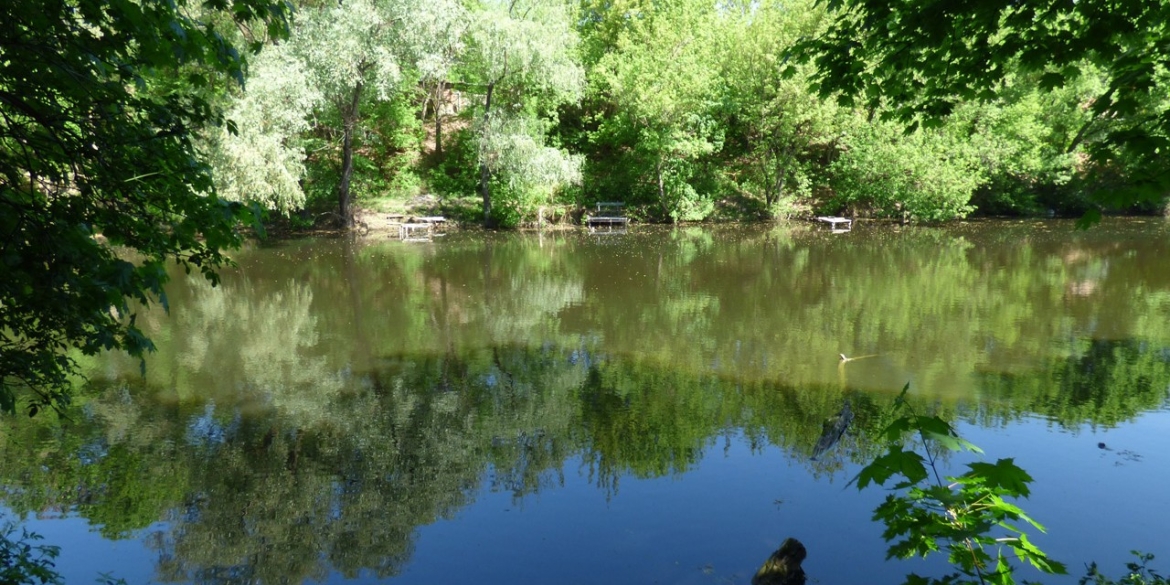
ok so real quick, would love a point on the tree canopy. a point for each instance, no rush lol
(919, 61)
(690, 110)
(100, 179)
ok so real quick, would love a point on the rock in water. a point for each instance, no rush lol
(783, 567)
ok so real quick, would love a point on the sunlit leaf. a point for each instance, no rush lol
(1004, 473)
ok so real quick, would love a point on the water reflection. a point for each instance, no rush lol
(307, 417)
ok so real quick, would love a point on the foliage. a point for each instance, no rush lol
(362, 48)
(100, 179)
(456, 173)
(261, 158)
(691, 110)
(776, 131)
(521, 58)
(1139, 573)
(921, 61)
(385, 155)
(514, 151)
(1022, 143)
(662, 76)
(22, 561)
(340, 59)
(964, 515)
(922, 176)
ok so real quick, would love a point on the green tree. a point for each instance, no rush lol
(1020, 143)
(522, 57)
(661, 79)
(262, 160)
(361, 49)
(99, 102)
(926, 175)
(777, 130)
(922, 60)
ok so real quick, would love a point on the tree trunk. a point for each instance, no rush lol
(439, 91)
(766, 165)
(662, 191)
(349, 115)
(778, 190)
(485, 191)
(485, 175)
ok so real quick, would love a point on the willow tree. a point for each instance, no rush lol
(521, 55)
(339, 56)
(260, 158)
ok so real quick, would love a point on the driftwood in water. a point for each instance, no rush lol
(833, 429)
(783, 567)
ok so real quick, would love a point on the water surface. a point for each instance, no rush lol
(636, 408)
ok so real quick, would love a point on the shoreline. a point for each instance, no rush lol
(370, 223)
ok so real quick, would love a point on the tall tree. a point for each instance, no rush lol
(259, 159)
(519, 50)
(662, 78)
(99, 101)
(923, 58)
(363, 46)
(777, 130)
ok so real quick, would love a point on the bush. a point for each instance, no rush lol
(923, 176)
(1139, 574)
(456, 172)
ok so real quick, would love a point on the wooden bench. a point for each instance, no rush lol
(608, 216)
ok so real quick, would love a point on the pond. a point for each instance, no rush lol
(625, 408)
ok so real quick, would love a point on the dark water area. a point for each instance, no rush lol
(632, 408)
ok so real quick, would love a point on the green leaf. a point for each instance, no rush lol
(1005, 474)
(909, 464)
(112, 98)
(1028, 552)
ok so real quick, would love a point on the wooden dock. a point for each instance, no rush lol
(420, 229)
(416, 232)
(608, 217)
(834, 222)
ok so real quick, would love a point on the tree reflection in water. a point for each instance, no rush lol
(329, 399)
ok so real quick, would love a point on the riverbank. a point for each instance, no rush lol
(382, 218)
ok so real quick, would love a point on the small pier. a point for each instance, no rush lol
(608, 217)
(836, 223)
(420, 229)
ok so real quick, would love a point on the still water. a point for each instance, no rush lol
(633, 408)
